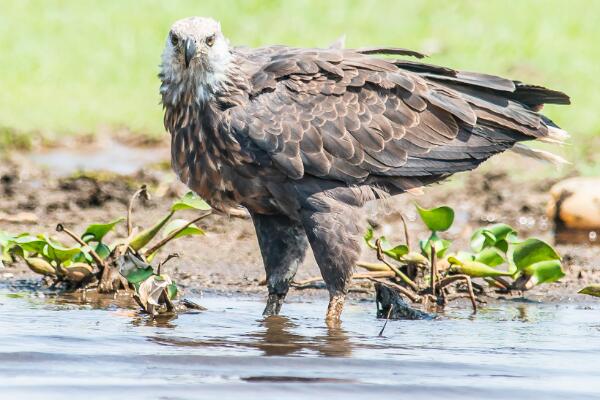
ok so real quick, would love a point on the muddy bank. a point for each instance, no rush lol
(34, 197)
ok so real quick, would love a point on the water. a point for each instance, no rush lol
(51, 349)
(108, 155)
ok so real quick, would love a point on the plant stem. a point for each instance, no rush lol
(372, 266)
(433, 270)
(453, 278)
(141, 190)
(95, 256)
(168, 302)
(367, 275)
(172, 235)
(400, 274)
(387, 318)
(166, 260)
(415, 298)
(406, 237)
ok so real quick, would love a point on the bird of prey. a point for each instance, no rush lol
(304, 137)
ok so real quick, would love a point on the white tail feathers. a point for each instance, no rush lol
(538, 154)
(555, 136)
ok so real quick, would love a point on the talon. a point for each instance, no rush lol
(274, 303)
(334, 309)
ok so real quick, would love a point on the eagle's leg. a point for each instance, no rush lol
(333, 233)
(283, 245)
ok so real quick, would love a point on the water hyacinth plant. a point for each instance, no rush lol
(125, 263)
(497, 258)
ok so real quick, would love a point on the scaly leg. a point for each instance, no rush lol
(283, 245)
(333, 232)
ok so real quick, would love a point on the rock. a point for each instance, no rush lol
(575, 209)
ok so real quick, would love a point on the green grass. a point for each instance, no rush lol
(81, 65)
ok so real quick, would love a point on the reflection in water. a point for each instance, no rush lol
(276, 337)
(95, 300)
(159, 321)
(523, 313)
(336, 343)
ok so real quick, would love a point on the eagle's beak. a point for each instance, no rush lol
(190, 51)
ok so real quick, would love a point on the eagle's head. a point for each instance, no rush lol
(195, 59)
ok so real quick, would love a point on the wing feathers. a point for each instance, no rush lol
(343, 115)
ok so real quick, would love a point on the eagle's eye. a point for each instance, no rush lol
(174, 39)
(210, 40)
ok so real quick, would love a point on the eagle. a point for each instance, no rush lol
(304, 137)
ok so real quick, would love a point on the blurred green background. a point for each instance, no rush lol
(81, 66)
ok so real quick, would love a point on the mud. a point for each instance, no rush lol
(227, 259)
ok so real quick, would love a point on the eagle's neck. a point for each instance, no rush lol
(219, 83)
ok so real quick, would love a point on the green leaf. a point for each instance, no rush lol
(532, 251)
(143, 238)
(397, 252)
(490, 256)
(592, 290)
(102, 250)
(96, 232)
(502, 231)
(58, 252)
(474, 269)
(172, 290)
(138, 275)
(29, 243)
(492, 236)
(437, 219)
(5, 246)
(190, 201)
(502, 245)
(440, 245)
(177, 224)
(5, 237)
(544, 271)
(369, 235)
(463, 256)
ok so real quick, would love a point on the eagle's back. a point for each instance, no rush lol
(345, 117)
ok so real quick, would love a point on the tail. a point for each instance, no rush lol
(502, 106)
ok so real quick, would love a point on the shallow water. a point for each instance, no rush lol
(107, 155)
(51, 349)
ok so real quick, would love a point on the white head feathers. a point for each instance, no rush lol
(195, 60)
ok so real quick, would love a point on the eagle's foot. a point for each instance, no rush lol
(334, 310)
(274, 303)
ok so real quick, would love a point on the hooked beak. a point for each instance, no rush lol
(190, 51)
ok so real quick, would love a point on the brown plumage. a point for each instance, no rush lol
(304, 137)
